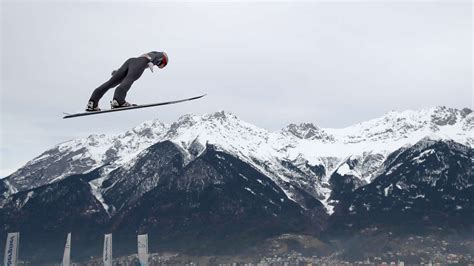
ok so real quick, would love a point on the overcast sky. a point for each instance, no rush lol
(270, 63)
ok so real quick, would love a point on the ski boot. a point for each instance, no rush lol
(114, 104)
(91, 108)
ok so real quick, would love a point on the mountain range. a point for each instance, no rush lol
(230, 184)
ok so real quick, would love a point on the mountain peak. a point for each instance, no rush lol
(221, 115)
(221, 128)
(191, 119)
(442, 115)
(148, 129)
(308, 131)
(410, 125)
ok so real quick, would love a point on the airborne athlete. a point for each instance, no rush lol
(124, 77)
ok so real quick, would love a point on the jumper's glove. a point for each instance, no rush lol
(113, 72)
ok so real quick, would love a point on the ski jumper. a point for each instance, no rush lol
(126, 75)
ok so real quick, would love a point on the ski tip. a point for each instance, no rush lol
(66, 115)
(196, 97)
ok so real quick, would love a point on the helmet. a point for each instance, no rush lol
(159, 59)
(164, 60)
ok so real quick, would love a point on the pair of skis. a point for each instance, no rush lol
(131, 107)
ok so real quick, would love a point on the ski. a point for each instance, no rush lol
(131, 107)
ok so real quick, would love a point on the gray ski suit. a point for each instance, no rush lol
(128, 73)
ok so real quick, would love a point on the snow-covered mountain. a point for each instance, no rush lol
(428, 184)
(230, 184)
(298, 157)
(85, 154)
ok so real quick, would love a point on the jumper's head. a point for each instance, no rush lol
(159, 59)
(164, 61)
